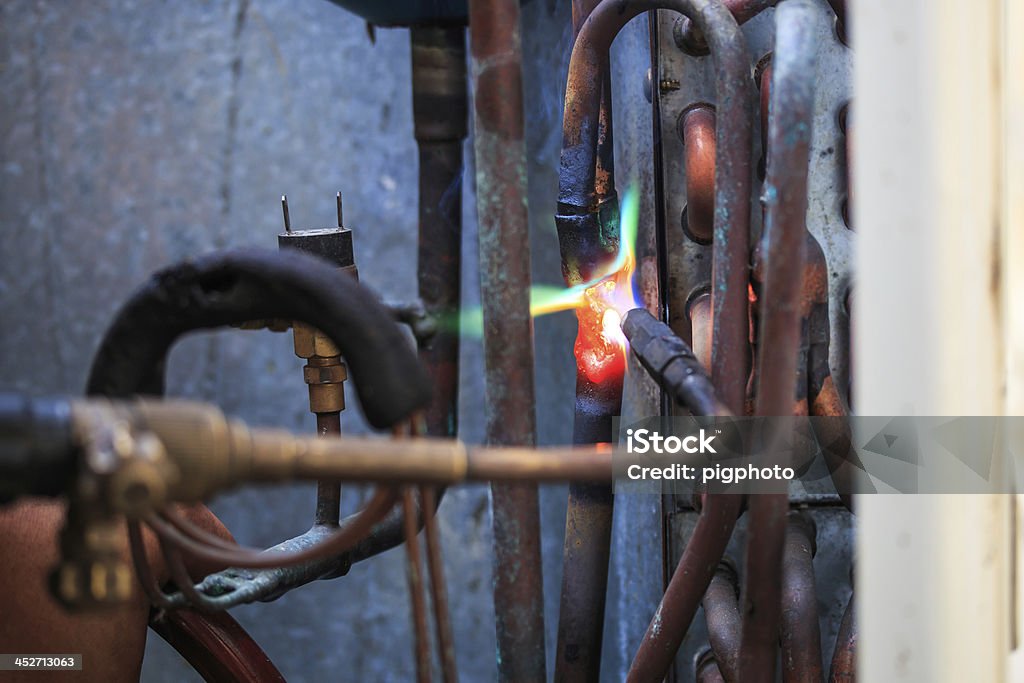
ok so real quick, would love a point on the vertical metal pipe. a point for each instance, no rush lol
(508, 331)
(844, 658)
(800, 634)
(417, 598)
(328, 493)
(439, 97)
(785, 198)
(689, 581)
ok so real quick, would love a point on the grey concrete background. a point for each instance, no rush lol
(136, 134)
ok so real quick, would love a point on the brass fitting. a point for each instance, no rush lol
(325, 373)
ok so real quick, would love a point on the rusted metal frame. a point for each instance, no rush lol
(508, 333)
(698, 134)
(722, 614)
(690, 38)
(417, 595)
(844, 657)
(800, 634)
(785, 198)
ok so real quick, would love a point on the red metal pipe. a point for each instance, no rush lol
(785, 197)
(698, 133)
(722, 614)
(844, 659)
(578, 206)
(694, 572)
(800, 634)
(508, 330)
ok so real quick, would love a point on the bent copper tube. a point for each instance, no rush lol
(800, 636)
(844, 659)
(785, 198)
(690, 39)
(605, 170)
(577, 198)
(698, 133)
(722, 614)
(690, 580)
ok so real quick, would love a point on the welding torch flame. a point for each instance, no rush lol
(600, 304)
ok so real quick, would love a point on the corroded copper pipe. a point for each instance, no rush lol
(785, 198)
(722, 614)
(588, 527)
(690, 39)
(581, 225)
(698, 133)
(800, 635)
(508, 330)
(698, 310)
(844, 659)
(708, 669)
(694, 572)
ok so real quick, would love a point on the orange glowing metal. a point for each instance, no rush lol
(600, 305)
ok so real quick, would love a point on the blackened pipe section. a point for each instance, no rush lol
(690, 39)
(800, 635)
(508, 333)
(785, 198)
(844, 659)
(670, 361)
(722, 614)
(586, 231)
(439, 97)
(605, 170)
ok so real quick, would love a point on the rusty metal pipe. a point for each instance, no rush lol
(698, 133)
(708, 669)
(508, 331)
(605, 170)
(844, 659)
(722, 614)
(690, 580)
(800, 636)
(689, 37)
(785, 198)
(585, 234)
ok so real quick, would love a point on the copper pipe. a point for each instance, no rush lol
(690, 39)
(722, 614)
(844, 659)
(785, 197)
(508, 330)
(800, 634)
(579, 214)
(438, 588)
(328, 492)
(698, 310)
(707, 669)
(690, 580)
(846, 127)
(698, 133)
(417, 597)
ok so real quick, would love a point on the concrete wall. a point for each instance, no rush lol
(136, 134)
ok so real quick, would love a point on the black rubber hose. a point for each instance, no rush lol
(233, 287)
